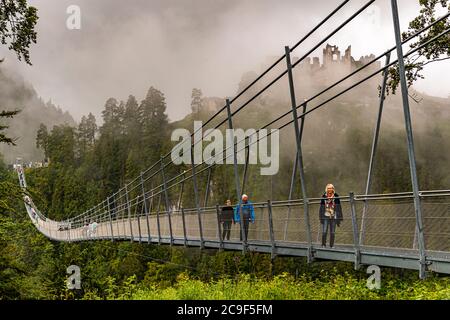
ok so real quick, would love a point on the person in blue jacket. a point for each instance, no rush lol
(248, 215)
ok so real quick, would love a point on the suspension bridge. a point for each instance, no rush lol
(409, 229)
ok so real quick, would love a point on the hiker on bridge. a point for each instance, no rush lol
(330, 214)
(92, 229)
(227, 218)
(248, 215)
(86, 229)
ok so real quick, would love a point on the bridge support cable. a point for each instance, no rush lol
(345, 90)
(410, 140)
(144, 206)
(445, 32)
(366, 66)
(386, 253)
(129, 213)
(208, 186)
(247, 159)
(338, 8)
(374, 149)
(279, 60)
(322, 22)
(180, 197)
(236, 176)
(167, 202)
(299, 154)
(271, 232)
(110, 218)
(342, 25)
(119, 212)
(197, 200)
(116, 213)
(219, 227)
(184, 226)
(150, 208)
(356, 84)
(393, 254)
(136, 213)
(293, 175)
(158, 222)
(356, 241)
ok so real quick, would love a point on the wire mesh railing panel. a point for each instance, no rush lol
(177, 225)
(289, 223)
(209, 224)
(127, 227)
(436, 222)
(122, 226)
(133, 223)
(115, 226)
(191, 223)
(101, 230)
(260, 229)
(153, 224)
(144, 221)
(383, 221)
(389, 223)
(164, 225)
(235, 232)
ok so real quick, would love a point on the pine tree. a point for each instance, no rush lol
(132, 123)
(113, 114)
(82, 143)
(42, 139)
(196, 102)
(91, 129)
(3, 137)
(154, 125)
(133, 134)
(61, 145)
(86, 134)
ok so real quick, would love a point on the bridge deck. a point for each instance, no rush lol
(286, 237)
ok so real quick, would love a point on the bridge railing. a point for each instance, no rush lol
(153, 171)
(403, 221)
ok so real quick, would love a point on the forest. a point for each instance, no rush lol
(89, 160)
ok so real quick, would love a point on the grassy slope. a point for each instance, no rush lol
(335, 287)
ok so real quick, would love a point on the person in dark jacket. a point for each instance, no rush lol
(227, 218)
(330, 214)
(248, 215)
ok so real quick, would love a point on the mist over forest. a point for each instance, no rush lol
(17, 94)
(130, 74)
(336, 140)
(98, 156)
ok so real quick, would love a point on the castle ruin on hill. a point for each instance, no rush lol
(335, 65)
(310, 75)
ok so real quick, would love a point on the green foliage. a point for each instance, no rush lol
(436, 51)
(15, 94)
(3, 137)
(17, 22)
(88, 163)
(10, 191)
(331, 286)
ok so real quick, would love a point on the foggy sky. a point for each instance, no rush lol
(124, 47)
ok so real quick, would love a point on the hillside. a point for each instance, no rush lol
(15, 93)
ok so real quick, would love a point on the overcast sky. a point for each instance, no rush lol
(124, 47)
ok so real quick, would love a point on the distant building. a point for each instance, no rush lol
(335, 65)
